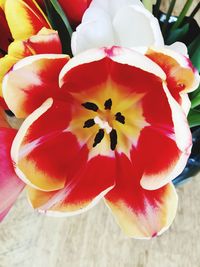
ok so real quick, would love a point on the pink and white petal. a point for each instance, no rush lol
(140, 213)
(181, 75)
(31, 81)
(148, 33)
(10, 185)
(82, 191)
(27, 20)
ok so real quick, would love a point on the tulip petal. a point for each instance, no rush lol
(27, 20)
(10, 185)
(111, 7)
(81, 192)
(107, 61)
(148, 33)
(5, 64)
(5, 32)
(182, 77)
(74, 9)
(105, 23)
(44, 151)
(94, 34)
(46, 41)
(31, 81)
(140, 213)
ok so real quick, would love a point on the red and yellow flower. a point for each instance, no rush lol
(24, 32)
(109, 123)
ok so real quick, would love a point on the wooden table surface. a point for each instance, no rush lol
(93, 239)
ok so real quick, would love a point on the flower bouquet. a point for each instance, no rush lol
(103, 96)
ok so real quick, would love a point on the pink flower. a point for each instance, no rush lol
(10, 185)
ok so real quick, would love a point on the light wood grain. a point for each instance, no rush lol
(93, 239)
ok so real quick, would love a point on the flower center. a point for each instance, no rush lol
(104, 120)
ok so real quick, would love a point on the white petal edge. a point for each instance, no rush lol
(93, 203)
(117, 54)
(25, 62)
(183, 139)
(20, 136)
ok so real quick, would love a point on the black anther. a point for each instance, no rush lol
(113, 139)
(99, 136)
(120, 118)
(89, 123)
(108, 104)
(90, 106)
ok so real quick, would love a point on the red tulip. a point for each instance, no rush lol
(74, 9)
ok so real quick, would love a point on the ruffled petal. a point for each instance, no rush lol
(10, 185)
(182, 77)
(27, 20)
(31, 81)
(140, 213)
(44, 151)
(81, 192)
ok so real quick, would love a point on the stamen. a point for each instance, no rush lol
(113, 139)
(89, 123)
(120, 118)
(108, 104)
(90, 106)
(99, 136)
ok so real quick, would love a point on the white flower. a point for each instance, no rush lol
(116, 22)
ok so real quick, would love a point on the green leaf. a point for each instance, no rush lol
(169, 13)
(61, 13)
(195, 98)
(177, 35)
(60, 23)
(182, 15)
(194, 52)
(194, 118)
(157, 8)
